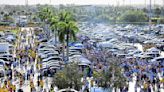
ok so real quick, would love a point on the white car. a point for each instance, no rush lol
(43, 50)
(8, 56)
(49, 55)
(6, 60)
(51, 58)
(47, 52)
(158, 59)
(54, 61)
(50, 64)
(2, 63)
(45, 45)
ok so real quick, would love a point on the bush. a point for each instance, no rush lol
(134, 16)
(69, 77)
(4, 23)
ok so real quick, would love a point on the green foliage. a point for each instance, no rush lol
(134, 16)
(67, 26)
(45, 14)
(68, 77)
(64, 23)
(111, 77)
(8, 18)
(4, 23)
(157, 12)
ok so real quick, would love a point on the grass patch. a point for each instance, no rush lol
(15, 31)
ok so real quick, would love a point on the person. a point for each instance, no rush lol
(37, 66)
(38, 82)
(51, 89)
(4, 85)
(41, 83)
(13, 88)
(20, 90)
(31, 85)
(3, 90)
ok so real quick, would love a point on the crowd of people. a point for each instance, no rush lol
(24, 67)
(147, 76)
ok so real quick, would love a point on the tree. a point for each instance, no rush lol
(10, 13)
(22, 12)
(68, 77)
(2, 13)
(134, 16)
(67, 28)
(54, 25)
(157, 12)
(7, 18)
(112, 77)
(45, 14)
(14, 11)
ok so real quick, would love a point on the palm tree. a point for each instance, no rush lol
(68, 29)
(45, 14)
(54, 25)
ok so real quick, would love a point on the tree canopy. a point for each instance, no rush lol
(134, 16)
(69, 77)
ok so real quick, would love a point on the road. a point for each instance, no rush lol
(26, 37)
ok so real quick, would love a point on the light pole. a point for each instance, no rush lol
(123, 2)
(26, 4)
(50, 2)
(154, 4)
(150, 15)
(145, 4)
(163, 8)
(130, 2)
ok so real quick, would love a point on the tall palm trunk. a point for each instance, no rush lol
(55, 36)
(67, 40)
(63, 50)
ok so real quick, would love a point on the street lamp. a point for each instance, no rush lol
(150, 15)
(50, 2)
(163, 8)
(145, 4)
(123, 2)
(130, 2)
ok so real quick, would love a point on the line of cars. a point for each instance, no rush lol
(6, 50)
(50, 57)
(121, 40)
(76, 55)
(51, 53)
